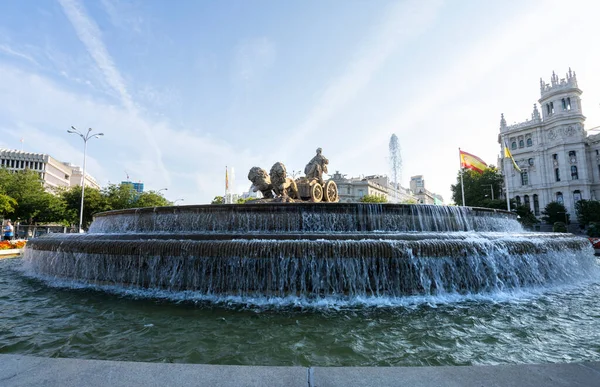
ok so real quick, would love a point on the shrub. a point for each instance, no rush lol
(594, 230)
(559, 227)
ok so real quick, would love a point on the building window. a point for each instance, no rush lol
(521, 144)
(574, 174)
(536, 205)
(518, 200)
(556, 174)
(551, 107)
(555, 157)
(530, 161)
(576, 196)
(529, 142)
(569, 103)
(548, 108)
(513, 145)
(526, 201)
(572, 154)
(559, 198)
(524, 178)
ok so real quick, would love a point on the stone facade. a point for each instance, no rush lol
(55, 174)
(351, 190)
(424, 196)
(557, 158)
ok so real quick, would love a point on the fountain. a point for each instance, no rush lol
(289, 280)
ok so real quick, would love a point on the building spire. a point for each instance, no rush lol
(536, 114)
(502, 121)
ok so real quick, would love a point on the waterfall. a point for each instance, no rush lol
(320, 250)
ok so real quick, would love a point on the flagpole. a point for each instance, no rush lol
(462, 186)
(506, 185)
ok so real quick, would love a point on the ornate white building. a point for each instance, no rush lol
(558, 160)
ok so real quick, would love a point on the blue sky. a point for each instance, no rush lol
(183, 88)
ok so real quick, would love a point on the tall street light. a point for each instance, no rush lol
(85, 137)
(162, 189)
(178, 200)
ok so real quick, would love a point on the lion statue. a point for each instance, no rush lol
(261, 182)
(282, 185)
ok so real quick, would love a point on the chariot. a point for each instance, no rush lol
(312, 190)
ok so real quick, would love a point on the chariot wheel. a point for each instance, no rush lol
(316, 193)
(331, 192)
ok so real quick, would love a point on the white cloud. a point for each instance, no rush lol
(89, 33)
(41, 111)
(6, 49)
(403, 21)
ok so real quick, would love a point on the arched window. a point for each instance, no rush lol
(521, 144)
(529, 142)
(526, 201)
(576, 196)
(559, 198)
(557, 174)
(524, 178)
(574, 174)
(518, 200)
(536, 205)
(513, 145)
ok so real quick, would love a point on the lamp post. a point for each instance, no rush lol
(178, 200)
(491, 188)
(85, 137)
(162, 189)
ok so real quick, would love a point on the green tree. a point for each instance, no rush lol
(93, 203)
(242, 200)
(373, 199)
(588, 211)
(7, 205)
(32, 202)
(526, 216)
(151, 199)
(120, 196)
(479, 188)
(555, 212)
(218, 200)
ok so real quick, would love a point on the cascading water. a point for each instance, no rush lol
(313, 250)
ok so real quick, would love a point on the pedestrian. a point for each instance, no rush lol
(9, 231)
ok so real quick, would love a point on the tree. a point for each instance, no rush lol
(7, 205)
(93, 203)
(373, 199)
(526, 216)
(479, 188)
(218, 200)
(120, 196)
(242, 200)
(588, 211)
(555, 212)
(151, 199)
(32, 203)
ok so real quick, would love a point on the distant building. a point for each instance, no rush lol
(558, 160)
(54, 173)
(137, 187)
(423, 195)
(353, 189)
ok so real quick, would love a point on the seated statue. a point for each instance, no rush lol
(261, 182)
(282, 185)
(316, 167)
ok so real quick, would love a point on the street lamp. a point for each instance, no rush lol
(491, 188)
(178, 200)
(162, 189)
(85, 137)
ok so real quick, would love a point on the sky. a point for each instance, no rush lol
(182, 89)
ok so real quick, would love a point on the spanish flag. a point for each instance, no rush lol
(472, 162)
(510, 156)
